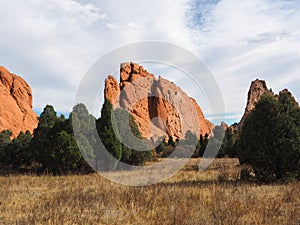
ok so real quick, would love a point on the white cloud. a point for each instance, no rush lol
(48, 43)
(53, 43)
(245, 40)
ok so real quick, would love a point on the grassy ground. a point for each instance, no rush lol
(189, 197)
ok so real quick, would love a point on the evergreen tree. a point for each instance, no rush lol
(47, 118)
(161, 147)
(289, 106)
(218, 140)
(198, 147)
(64, 156)
(123, 130)
(228, 146)
(270, 140)
(172, 142)
(84, 126)
(40, 144)
(5, 140)
(108, 136)
(18, 151)
(131, 138)
(138, 157)
(203, 144)
(290, 112)
(5, 136)
(15, 154)
(54, 145)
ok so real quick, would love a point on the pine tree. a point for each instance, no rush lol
(203, 144)
(270, 140)
(65, 156)
(84, 126)
(40, 145)
(18, 154)
(108, 138)
(54, 145)
(131, 138)
(5, 140)
(228, 145)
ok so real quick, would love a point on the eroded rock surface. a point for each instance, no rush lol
(16, 112)
(158, 105)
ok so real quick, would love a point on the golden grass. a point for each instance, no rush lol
(190, 197)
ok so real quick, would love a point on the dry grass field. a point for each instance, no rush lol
(189, 197)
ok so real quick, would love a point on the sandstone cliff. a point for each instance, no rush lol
(157, 105)
(16, 112)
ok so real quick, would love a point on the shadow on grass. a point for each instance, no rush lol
(208, 183)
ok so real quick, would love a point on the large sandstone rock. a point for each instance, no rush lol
(16, 112)
(158, 105)
(257, 89)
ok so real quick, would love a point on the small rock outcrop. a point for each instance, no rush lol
(157, 105)
(224, 125)
(16, 112)
(111, 89)
(257, 89)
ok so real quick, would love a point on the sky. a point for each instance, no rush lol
(53, 43)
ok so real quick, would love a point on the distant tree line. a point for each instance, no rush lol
(221, 141)
(53, 148)
(269, 141)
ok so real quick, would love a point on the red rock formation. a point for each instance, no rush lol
(257, 89)
(157, 105)
(208, 127)
(129, 72)
(112, 89)
(16, 112)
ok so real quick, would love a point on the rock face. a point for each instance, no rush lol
(257, 89)
(16, 112)
(158, 105)
(112, 89)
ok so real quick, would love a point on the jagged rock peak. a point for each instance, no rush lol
(16, 112)
(111, 89)
(257, 89)
(130, 72)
